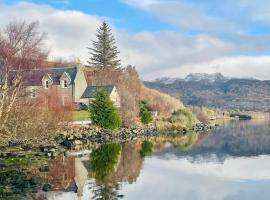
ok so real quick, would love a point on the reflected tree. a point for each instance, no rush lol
(126, 169)
(146, 149)
(103, 161)
(16, 183)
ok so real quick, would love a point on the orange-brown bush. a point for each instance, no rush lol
(32, 123)
(200, 114)
(163, 103)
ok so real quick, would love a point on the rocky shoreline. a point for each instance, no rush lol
(70, 138)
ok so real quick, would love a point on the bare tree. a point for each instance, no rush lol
(21, 48)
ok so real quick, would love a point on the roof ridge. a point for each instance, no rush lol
(43, 68)
(99, 85)
(61, 67)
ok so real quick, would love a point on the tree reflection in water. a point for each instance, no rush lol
(109, 167)
(19, 174)
(127, 169)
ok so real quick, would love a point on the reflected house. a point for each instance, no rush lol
(67, 174)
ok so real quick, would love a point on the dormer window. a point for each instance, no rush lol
(47, 81)
(65, 80)
(64, 83)
(46, 84)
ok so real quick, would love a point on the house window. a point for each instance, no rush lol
(46, 84)
(64, 100)
(64, 84)
(33, 93)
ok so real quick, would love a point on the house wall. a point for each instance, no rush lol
(86, 100)
(80, 85)
(57, 94)
(115, 97)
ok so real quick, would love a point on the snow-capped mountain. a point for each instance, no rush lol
(166, 80)
(210, 78)
(215, 90)
(194, 77)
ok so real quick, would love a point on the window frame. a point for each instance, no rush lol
(64, 83)
(33, 93)
(46, 84)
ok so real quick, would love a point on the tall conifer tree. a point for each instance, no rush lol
(104, 51)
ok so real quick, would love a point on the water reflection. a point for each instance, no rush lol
(99, 175)
(237, 139)
(67, 174)
(231, 162)
(126, 170)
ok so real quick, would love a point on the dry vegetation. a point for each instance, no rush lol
(132, 90)
(161, 102)
(200, 114)
(21, 48)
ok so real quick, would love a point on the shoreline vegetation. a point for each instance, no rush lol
(142, 112)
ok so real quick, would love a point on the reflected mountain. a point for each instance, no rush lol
(235, 156)
(241, 139)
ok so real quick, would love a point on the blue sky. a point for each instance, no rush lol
(135, 16)
(160, 37)
(116, 11)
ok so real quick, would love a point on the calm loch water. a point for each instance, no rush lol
(229, 163)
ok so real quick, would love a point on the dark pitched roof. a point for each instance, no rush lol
(33, 77)
(90, 91)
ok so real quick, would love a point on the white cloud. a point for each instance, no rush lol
(155, 54)
(69, 32)
(258, 10)
(232, 66)
(182, 14)
(141, 3)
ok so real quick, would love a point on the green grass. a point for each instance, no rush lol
(81, 115)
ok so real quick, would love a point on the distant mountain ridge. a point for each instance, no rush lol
(211, 78)
(215, 90)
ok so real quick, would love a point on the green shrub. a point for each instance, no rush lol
(146, 149)
(183, 116)
(103, 112)
(103, 161)
(145, 115)
(187, 142)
